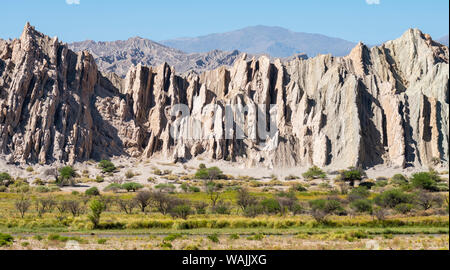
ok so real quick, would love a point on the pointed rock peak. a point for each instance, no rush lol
(30, 32)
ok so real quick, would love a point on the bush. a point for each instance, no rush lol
(213, 173)
(181, 211)
(107, 166)
(99, 179)
(404, 208)
(253, 210)
(66, 173)
(352, 174)
(114, 187)
(214, 238)
(5, 179)
(399, 179)
(314, 173)
(132, 187)
(358, 193)
(42, 189)
(29, 169)
(270, 206)
(329, 206)
(299, 188)
(93, 191)
(129, 174)
(424, 180)
(6, 240)
(362, 206)
(392, 198)
(97, 208)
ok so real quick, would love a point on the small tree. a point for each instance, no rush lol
(5, 179)
(127, 206)
(44, 206)
(213, 191)
(107, 166)
(314, 173)
(244, 199)
(97, 208)
(66, 175)
(181, 211)
(163, 202)
(22, 205)
(132, 187)
(424, 180)
(142, 199)
(74, 207)
(352, 174)
(426, 200)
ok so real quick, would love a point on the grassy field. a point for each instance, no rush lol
(395, 215)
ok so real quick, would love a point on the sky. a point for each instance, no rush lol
(370, 21)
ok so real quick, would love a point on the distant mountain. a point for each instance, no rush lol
(443, 40)
(275, 41)
(119, 56)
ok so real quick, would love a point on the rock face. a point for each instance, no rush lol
(385, 105)
(118, 56)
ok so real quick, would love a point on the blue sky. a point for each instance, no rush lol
(354, 20)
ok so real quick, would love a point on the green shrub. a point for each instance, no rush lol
(114, 187)
(392, 198)
(271, 206)
(172, 237)
(6, 240)
(234, 236)
(97, 207)
(352, 174)
(29, 169)
(329, 206)
(399, 179)
(5, 179)
(256, 237)
(314, 173)
(107, 166)
(424, 180)
(42, 189)
(99, 179)
(101, 241)
(214, 238)
(3, 189)
(404, 208)
(93, 191)
(132, 187)
(358, 193)
(67, 172)
(300, 188)
(362, 206)
(181, 211)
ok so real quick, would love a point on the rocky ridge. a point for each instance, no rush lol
(119, 56)
(384, 105)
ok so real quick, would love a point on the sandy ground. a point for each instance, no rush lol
(144, 169)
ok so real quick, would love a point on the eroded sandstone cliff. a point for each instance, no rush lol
(384, 105)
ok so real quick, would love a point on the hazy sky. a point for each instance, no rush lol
(370, 21)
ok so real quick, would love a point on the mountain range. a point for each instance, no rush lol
(119, 56)
(274, 41)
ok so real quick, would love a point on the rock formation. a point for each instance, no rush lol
(385, 105)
